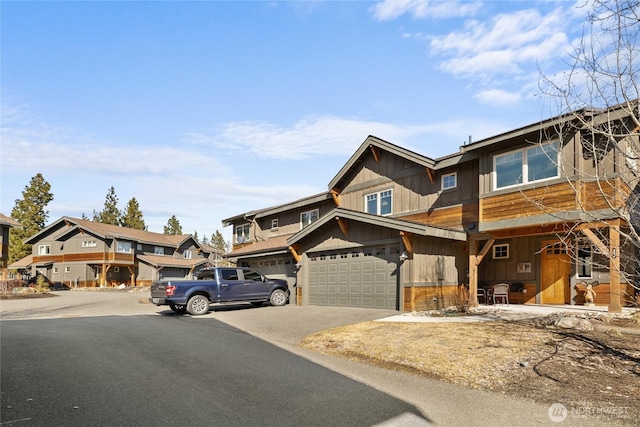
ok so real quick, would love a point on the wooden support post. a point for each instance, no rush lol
(614, 271)
(473, 274)
(335, 193)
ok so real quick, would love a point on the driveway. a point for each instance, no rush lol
(441, 403)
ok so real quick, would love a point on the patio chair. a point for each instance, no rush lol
(501, 292)
(482, 294)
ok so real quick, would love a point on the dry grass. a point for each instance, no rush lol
(523, 359)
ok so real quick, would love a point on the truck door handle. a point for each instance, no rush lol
(224, 285)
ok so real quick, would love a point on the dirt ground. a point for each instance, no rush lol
(594, 373)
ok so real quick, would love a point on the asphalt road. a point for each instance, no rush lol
(107, 358)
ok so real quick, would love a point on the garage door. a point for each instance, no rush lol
(355, 278)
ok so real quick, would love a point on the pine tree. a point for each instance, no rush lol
(218, 242)
(173, 226)
(110, 214)
(132, 216)
(31, 214)
(195, 236)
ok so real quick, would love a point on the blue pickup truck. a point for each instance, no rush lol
(219, 285)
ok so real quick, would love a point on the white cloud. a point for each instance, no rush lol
(308, 138)
(503, 45)
(498, 97)
(391, 9)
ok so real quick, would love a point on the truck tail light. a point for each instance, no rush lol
(171, 290)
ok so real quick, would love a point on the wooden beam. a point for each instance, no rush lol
(344, 225)
(484, 251)
(407, 240)
(614, 271)
(596, 241)
(335, 193)
(431, 174)
(294, 249)
(376, 153)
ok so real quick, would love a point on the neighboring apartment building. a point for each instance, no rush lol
(399, 230)
(81, 253)
(6, 224)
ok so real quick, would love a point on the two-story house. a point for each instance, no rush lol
(80, 253)
(6, 224)
(403, 231)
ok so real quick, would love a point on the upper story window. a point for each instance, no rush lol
(526, 165)
(89, 244)
(125, 247)
(274, 224)
(187, 254)
(44, 249)
(379, 203)
(583, 260)
(308, 217)
(501, 251)
(242, 233)
(449, 181)
(158, 250)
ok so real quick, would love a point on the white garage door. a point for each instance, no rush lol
(364, 277)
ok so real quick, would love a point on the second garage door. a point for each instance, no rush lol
(365, 277)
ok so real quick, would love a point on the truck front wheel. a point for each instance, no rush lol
(278, 297)
(198, 305)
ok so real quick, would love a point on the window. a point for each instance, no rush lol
(139, 246)
(55, 270)
(449, 181)
(67, 269)
(523, 166)
(379, 203)
(274, 224)
(89, 244)
(242, 233)
(158, 250)
(584, 259)
(229, 274)
(116, 269)
(308, 217)
(252, 275)
(124, 247)
(501, 251)
(44, 249)
(187, 254)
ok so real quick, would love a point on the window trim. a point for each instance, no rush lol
(245, 235)
(124, 242)
(524, 167)
(187, 254)
(274, 224)
(494, 251)
(311, 221)
(158, 250)
(89, 244)
(584, 243)
(44, 250)
(446, 175)
(378, 195)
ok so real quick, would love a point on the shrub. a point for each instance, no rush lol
(461, 299)
(9, 285)
(42, 287)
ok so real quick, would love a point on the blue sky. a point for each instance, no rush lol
(208, 109)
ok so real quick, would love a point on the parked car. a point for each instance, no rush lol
(219, 285)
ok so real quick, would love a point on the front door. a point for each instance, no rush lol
(556, 269)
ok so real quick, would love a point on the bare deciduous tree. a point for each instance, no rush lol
(598, 96)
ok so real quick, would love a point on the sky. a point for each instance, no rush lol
(208, 109)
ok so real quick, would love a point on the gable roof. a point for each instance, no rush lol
(300, 203)
(112, 231)
(168, 261)
(272, 246)
(381, 221)
(372, 141)
(9, 222)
